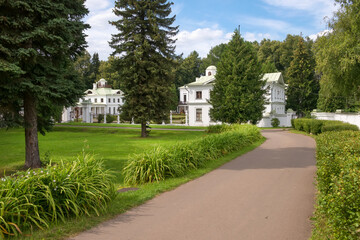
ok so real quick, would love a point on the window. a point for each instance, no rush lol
(114, 109)
(102, 100)
(118, 100)
(184, 98)
(109, 110)
(209, 73)
(198, 94)
(96, 100)
(199, 115)
(109, 100)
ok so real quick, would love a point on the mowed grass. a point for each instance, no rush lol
(111, 145)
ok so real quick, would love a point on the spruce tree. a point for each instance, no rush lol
(303, 88)
(39, 40)
(238, 94)
(145, 46)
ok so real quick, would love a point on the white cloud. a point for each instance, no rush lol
(200, 40)
(319, 9)
(100, 32)
(248, 36)
(95, 5)
(319, 34)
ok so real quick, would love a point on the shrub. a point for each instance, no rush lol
(110, 118)
(337, 214)
(293, 123)
(100, 118)
(275, 122)
(315, 126)
(162, 163)
(339, 127)
(36, 198)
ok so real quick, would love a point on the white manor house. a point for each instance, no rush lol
(194, 100)
(101, 99)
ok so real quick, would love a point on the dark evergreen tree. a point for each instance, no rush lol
(94, 68)
(303, 88)
(39, 40)
(83, 67)
(238, 94)
(213, 57)
(188, 70)
(145, 44)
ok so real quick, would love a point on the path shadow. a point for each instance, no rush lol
(280, 158)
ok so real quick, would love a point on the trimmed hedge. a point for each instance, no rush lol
(315, 126)
(165, 162)
(36, 198)
(337, 214)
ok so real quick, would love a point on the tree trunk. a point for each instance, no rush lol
(143, 129)
(32, 159)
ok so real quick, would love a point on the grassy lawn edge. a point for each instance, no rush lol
(127, 200)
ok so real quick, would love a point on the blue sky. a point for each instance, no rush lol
(207, 23)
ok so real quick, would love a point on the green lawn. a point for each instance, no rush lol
(153, 126)
(111, 145)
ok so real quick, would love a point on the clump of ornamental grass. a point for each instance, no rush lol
(165, 162)
(36, 198)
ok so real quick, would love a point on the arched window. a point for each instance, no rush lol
(89, 92)
(209, 73)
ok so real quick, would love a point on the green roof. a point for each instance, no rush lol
(103, 91)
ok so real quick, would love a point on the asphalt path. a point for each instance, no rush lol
(267, 193)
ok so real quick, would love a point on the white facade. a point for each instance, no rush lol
(101, 99)
(194, 99)
(352, 118)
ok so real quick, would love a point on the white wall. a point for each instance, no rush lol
(205, 115)
(352, 118)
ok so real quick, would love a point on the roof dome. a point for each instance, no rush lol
(212, 67)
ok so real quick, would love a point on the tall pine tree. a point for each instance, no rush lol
(39, 40)
(145, 45)
(238, 94)
(303, 88)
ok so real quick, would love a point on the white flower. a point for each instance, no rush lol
(3, 179)
(28, 172)
(54, 180)
(41, 171)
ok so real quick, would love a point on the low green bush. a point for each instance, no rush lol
(100, 118)
(337, 214)
(339, 127)
(316, 126)
(110, 118)
(275, 122)
(36, 198)
(162, 163)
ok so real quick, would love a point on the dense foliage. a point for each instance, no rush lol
(146, 57)
(238, 94)
(337, 57)
(37, 198)
(38, 43)
(162, 162)
(337, 214)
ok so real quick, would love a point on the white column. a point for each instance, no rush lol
(163, 122)
(118, 119)
(132, 121)
(186, 117)
(105, 114)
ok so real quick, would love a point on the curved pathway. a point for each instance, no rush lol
(267, 193)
